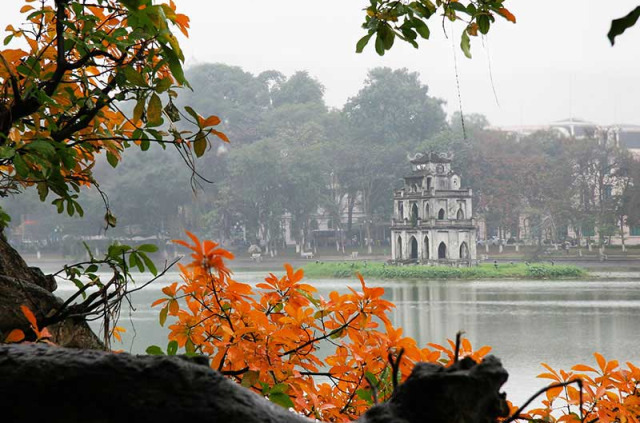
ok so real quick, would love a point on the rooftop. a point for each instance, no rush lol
(430, 157)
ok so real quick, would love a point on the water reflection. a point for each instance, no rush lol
(526, 322)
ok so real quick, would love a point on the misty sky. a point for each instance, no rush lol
(556, 62)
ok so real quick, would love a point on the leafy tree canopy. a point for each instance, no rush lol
(63, 86)
(394, 106)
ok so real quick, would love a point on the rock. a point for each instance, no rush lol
(56, 384)
(24, 285)
(12, 265)
(463, 393)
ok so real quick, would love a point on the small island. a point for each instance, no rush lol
(482, 271)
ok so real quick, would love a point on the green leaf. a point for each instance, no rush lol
(365, 394)
(362, 42)
(43, 190)
(465, 44)
(337, 334)
(110, 219)
(20, 166)
(163, 315)
(193, 114)
(163, 85)
(149, 263)
(373, 380)
(189, 347)
(79, 285)
(388, 36)
(91, 269)
(44, 148)
(112, 159)
(174, 65)
(379, 45)
(281, 399)
(250, 378)
(136, 260)
(280, 387)
(200, 144)
(135, 77)
(148, 248)
(138, 111)
(458, 7)
(79, 209)
(483, 24)
(7, 152)
(155, 110)
(172, 348)
(421, 28)
(618, 26)
(154, 350)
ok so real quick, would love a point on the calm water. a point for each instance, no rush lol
(526, 322)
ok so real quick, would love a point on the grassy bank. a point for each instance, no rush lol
(483, 271)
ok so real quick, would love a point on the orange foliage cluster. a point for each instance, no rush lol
(610, 394)
(64, 87)
(268, 338)
(17, 335)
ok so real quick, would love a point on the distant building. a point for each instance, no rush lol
(625, 136)
(433, 216)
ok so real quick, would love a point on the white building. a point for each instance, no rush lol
(433, 216)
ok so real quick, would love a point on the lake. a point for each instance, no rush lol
(560, 323)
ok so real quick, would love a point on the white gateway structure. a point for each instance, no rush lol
(433, 216)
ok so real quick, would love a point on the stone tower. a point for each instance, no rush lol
(432, 215)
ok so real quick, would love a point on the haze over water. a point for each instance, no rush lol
(560, 323)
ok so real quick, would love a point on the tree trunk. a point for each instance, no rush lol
(351, 201)
(24, 285)
(624, 247)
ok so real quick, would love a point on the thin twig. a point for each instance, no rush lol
(456, 353)
(516, 415)
(395, 368)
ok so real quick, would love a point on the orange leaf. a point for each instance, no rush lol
(26, 8)
(220, 135)
(15, 335)
(483, 351)
(30, 317)
(601, 361)
(44, 333)
(174, 307)
(116, 332)
(548, 376)
(160, 301)
(583, 368)
(507, 15)
(211, 121)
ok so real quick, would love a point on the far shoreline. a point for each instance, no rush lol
(590, 266)
(506, 271)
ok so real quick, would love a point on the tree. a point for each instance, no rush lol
(62, 105)
(390, 19)
(601, 175)
(394, 107)
(299, 88)
(239, 97)
(386, 120)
